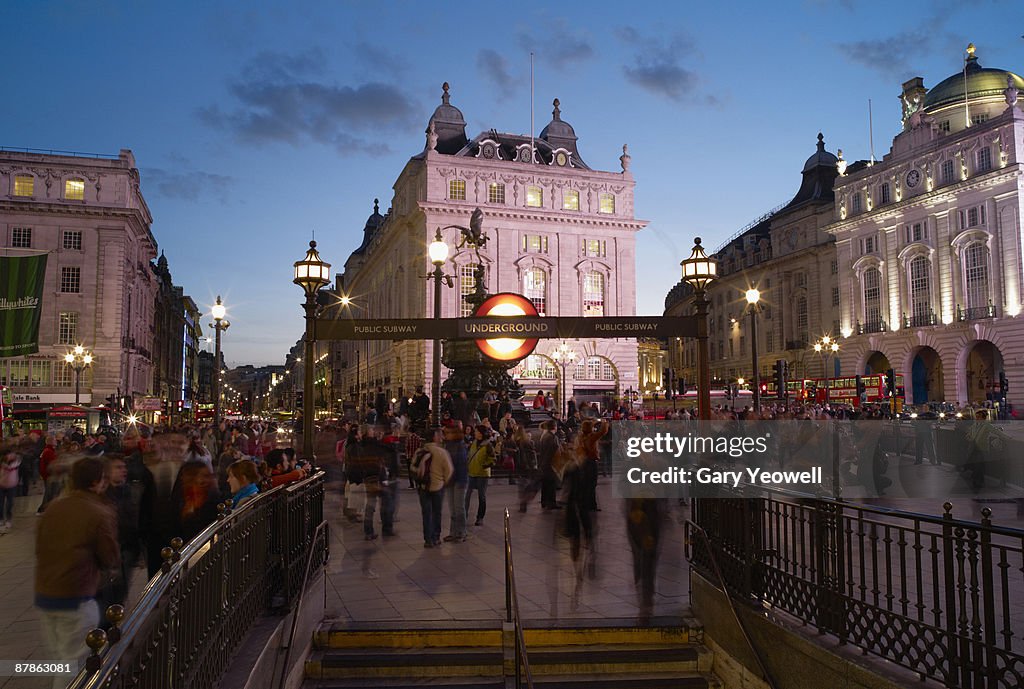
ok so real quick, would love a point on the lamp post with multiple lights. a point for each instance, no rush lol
(753, 304)
(78, 359)
(827, 347)
(564, 355)
(311, 274)
(220, 324)
(698, 272)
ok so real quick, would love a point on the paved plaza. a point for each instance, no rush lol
(394, 579)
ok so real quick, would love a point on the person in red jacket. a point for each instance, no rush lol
(281, 469)
(51, 486)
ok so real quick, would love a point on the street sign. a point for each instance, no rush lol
(519, 327)
(149, 404)
(506, 348)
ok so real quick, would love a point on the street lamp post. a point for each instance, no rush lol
(564, 355)
(218, 311)
(753, 299)
(698, 272)
(78, 359)
(310, 274)
(438, 252)
(827, 347)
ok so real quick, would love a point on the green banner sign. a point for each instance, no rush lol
(21, 303)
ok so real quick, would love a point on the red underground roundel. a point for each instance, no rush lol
(506, 348)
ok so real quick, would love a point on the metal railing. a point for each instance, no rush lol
(872, 327)
(522, 660)
(940, 596)
(192, 616)
(975, 313)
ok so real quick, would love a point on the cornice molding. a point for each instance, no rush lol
(534, 217)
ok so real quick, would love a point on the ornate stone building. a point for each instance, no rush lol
(560, 232)
(89, 213)
(929, 242)
(788, 256)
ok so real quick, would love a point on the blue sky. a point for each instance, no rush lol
(254, 123)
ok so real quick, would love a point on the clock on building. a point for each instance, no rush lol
(913, 178)
(561, 160)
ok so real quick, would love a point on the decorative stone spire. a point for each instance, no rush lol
(376, 206)
(821, 142)
(556, 114)
(1010, 92)
(840, 163)
(431, 137)
(444, 95)
(625, 158)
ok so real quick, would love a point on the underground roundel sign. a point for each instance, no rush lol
(506, 304)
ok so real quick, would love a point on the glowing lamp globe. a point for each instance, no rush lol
(311, 273)
(699, 269)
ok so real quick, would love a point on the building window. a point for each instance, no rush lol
(984, 159)
(535, 289)
(24, 185)
(63, 375)
(534, 197)
(976, 275)
(21, 237)
(917, 232)
(595, 368)
(872, 296)
(535, 243)
(594, 247)
(972, 217)
(800, 279)
(980, 118)
(801, 319)
(41, 371)
(920, 290)
(570, 200)
(884, 195)
(607, 203)
(948, 172)
(536, 366)
(834, 267)
(72, 239)
(593, 294)
(74, 189)
(944, 126)
(835, 296)
(457, 189)
(769, 341)
(70, 279)
(855, 203)
(67, 329)
(19, 373)
(495, 192)
(467, 284)
(868, 245)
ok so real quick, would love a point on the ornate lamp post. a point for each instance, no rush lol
(217, 311)
(438, 252)
(753, 299)
(310, 274)
(827, 347)
(698, 272)
(78, 359)
(564, 355)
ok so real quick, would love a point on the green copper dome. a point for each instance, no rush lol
(982, 82)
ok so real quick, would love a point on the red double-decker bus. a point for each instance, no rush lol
(841, 390)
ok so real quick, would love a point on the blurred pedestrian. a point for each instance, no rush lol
(481, 459)
(455, 444)
(433, 467)
(644, 520)
(10, 463)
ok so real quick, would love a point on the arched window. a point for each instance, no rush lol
(593, 294)
(976, 275)
(467, 284)
(872, 297)
(535, 289)
(595, 368)
(920, 291)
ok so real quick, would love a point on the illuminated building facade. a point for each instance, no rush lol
(559, 232)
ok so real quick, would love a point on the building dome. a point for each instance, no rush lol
(821, 157)
(982, 82)
(373, 223)
(449, 125)
(558, 133)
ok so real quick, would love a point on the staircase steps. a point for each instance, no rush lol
(573, 657)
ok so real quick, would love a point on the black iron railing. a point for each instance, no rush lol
(194, 614)
(872, 327)
(976, 313)
(920, 320)
(940, 596)
(522, 660)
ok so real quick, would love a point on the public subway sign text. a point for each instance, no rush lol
(522, 327)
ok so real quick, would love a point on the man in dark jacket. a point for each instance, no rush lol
(126, 498)
(76, 544)
(545, 463)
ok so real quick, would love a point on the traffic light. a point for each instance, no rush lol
(298, 399)
(181, 405)
(1004, 384)
(666, 379)
(681, 386)
(890, 382)
(764, 389)
(781, 373)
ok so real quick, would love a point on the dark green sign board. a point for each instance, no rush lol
(21, 303)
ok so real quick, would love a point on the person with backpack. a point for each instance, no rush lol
(433, 469)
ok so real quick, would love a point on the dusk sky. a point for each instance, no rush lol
(254, 123)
